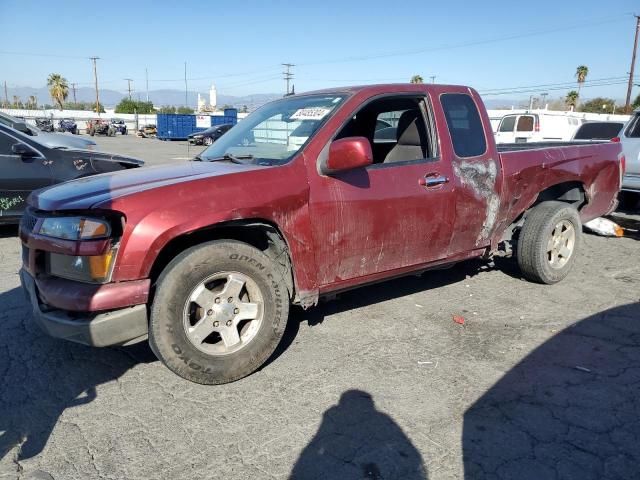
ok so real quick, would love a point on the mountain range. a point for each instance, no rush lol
(110, 98)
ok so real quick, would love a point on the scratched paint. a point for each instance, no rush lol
(481, 177)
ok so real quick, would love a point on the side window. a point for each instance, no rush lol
(633, 130)
(6, 142)
(387, 127)
(507, 124)
(525, 124)
(395, 127)
(465, 126)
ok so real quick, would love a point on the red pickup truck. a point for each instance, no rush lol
(308, 196)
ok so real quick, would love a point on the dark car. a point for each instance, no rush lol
(68, 125)
(15, 123)
(598, 131)
(119, 126)
(28, 165)
(210, 135)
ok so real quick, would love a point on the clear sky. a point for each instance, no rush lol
(240, 44)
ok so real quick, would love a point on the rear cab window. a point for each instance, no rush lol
(465, 125)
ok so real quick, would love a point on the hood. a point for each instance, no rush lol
(91, 191)
(61, 140)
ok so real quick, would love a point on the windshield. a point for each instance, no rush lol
(274, 133)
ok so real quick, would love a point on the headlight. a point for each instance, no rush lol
(92, 269)
(75, 228)
(197, 136)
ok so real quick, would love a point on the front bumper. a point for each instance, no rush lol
(99, 329)
(195, 141)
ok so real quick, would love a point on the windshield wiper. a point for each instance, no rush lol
(232, 158)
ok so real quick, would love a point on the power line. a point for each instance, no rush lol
(538, 90)
(466, 44)
(570, 83)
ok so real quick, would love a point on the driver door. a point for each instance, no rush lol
(19, 175)
(393, 215)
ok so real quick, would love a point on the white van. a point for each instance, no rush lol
(536, 127)
(630, 139)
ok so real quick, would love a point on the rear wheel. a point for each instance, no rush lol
(548, 242)
(219, 312)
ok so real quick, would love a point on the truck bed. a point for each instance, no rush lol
(516, 147)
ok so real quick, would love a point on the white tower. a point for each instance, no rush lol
(213, 97)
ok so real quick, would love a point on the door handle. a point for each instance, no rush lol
(430, 181)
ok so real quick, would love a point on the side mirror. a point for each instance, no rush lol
(25, 151)
(347, 154)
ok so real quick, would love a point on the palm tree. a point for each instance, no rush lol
(416, 79)
(58, 88)
(581, 74)
(33, 101)
(16, 101)
(572, 99)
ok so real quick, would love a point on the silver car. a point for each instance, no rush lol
(630, 139)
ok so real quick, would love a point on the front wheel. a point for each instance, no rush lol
(207, 141)
(548, 242)
(219, 312)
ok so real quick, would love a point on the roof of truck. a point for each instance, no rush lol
(404, 87)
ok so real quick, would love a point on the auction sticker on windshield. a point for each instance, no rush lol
(315, 113)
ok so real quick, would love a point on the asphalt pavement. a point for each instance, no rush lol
(529, 382)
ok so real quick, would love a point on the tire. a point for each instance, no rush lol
(125, 132)
(207, 141)
(175, 314)
(542, 256)
(75, 131)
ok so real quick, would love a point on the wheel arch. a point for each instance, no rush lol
(262, 234)
(571, 192)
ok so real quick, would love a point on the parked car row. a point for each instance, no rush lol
(32, 160)
(48, 138)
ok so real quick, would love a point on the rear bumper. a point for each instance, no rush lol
(631, 182)
(98, 329)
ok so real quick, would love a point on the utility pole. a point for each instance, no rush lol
(433, 78)
(633, 63)
(530, 102)
(95, 77)
(73, 88)
(288, 76)
(6, 95)
(129, 80)
(544, 99)
(186, 100)
(146, 76)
